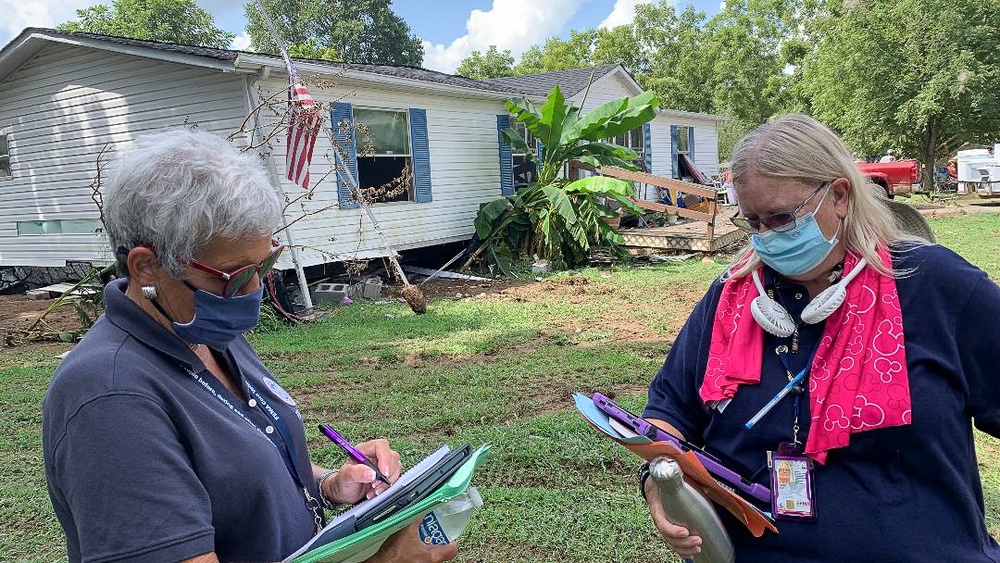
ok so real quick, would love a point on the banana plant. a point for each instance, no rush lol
(556, 219)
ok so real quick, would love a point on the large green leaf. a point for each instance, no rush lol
(553, 113)
(486, 220)
(591, 125)
(600, 185)
(523, 111)
(516, 141)
(560, 203)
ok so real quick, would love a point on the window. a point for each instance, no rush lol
(634, 140)
(682, 140)
(57, 226)
(385, 165)
(4, 157)
(525, 170)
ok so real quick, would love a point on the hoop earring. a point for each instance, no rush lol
(149, 292)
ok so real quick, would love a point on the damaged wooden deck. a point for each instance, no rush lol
(689, 236)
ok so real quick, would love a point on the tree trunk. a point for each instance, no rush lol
(929, 153)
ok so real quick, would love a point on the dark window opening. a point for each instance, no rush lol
(4, 158)
(385, 179)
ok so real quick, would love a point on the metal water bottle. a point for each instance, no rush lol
(685, 506)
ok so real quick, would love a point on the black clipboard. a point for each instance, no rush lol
(417, 489)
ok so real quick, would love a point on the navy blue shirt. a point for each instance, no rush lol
(143, 464)
(910, 493)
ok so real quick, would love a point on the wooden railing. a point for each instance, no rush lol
(669, 184)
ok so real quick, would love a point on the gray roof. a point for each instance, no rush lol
(571, 82)
(411, 73)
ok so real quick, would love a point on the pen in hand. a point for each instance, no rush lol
(351, 451)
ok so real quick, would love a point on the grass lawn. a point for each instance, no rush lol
(497, 368)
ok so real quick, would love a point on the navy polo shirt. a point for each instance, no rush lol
(910, 493)
(143, 464)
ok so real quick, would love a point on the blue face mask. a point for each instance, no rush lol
(219, 320)
(795, 252)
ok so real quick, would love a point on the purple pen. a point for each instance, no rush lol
(351, 451)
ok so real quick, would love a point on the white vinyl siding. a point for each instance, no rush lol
(462, 137)
(63, 107)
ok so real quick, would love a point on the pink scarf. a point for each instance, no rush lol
(858, 379)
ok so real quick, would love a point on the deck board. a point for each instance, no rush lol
(691, 235)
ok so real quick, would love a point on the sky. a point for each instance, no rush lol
(450, 29)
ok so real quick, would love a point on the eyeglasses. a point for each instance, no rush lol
(779, 222)
(239, 278)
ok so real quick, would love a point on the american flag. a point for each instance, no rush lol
(304, 122)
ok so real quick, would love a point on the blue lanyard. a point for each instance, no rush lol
(284, 450)
(792, 383)
(277, 422)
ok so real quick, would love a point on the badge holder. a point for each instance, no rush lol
(791, 483)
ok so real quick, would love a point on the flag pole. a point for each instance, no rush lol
(296, 259)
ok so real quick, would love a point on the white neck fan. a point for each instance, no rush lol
(773, 318)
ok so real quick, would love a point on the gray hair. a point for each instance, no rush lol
(797, 147)
(177, 190)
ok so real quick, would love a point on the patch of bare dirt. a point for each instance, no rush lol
(18, 313)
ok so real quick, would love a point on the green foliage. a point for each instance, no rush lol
(311, 49)
(491, 64)
(356, 31)
(558, 54)
(169, 21)
(920, 75)
(554, 219)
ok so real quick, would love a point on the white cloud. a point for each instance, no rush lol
(509, 24)
(623, 13)
(241, 42)
(20, 14)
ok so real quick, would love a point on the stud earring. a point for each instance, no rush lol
(149, 292)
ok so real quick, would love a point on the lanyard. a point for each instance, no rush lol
(277, 422)
(794, 384)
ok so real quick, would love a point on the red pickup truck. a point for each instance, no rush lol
(899, 177)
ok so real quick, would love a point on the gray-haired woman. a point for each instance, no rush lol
(854, 354)
(165, 438)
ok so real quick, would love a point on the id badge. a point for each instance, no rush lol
(791, 483)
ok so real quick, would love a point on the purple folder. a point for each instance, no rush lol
(644, 428)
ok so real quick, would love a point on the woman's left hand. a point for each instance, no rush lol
(357, 481)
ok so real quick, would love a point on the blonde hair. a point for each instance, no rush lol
(799, 148)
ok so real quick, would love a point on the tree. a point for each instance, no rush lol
(555, 219)
(482, 66)
(169, 21)
(925, 79)
(359, 31)
(312, 50)
(558, 54)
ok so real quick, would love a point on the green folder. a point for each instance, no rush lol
(363, 544)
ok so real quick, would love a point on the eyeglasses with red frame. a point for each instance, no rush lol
(239, 278)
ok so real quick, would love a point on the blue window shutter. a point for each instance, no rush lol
(647, 151)
(539, 151)
(691, 143)
(421, 155)
(674, 170)
(347, 148)
(506, 159)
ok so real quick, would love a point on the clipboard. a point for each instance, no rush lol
(417, 490)
(756, 521)
(364, 543)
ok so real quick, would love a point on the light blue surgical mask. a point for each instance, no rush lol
(218, 321)
(796, 251)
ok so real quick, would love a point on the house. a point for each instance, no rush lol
(66, 97)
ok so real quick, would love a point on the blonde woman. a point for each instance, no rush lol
(857, 355)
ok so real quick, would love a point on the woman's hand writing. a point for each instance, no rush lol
(356, 481)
